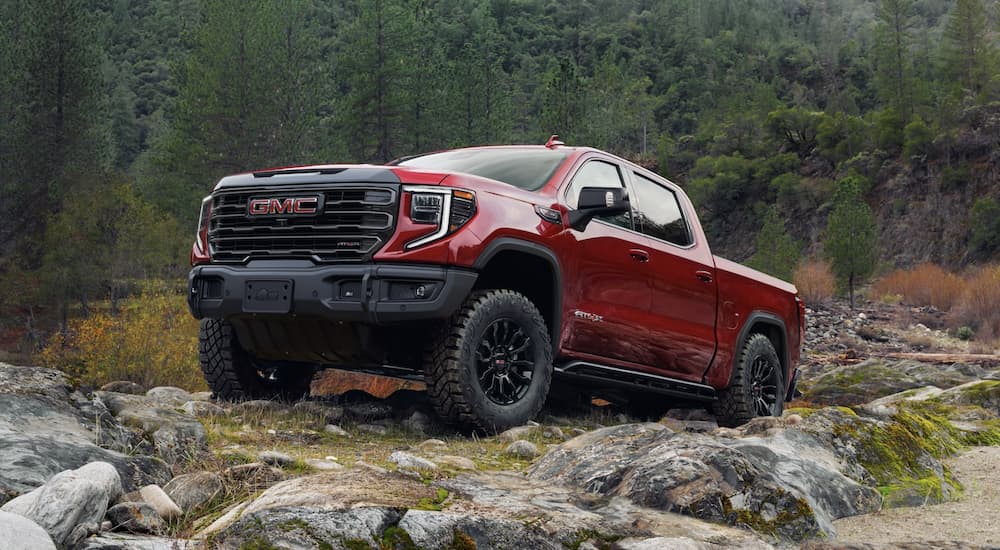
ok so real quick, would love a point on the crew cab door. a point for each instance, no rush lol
(609, 296)
(682, 281)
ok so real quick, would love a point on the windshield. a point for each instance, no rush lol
(525, 168)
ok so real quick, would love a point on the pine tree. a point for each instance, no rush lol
(969, 56)
(851, 240)
(894, 74)
(777, 253)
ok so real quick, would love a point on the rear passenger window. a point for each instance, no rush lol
(598, 174)
(658, 212)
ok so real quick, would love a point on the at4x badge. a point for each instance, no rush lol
(588, 316)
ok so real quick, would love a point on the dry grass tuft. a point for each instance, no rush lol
(979, 306)
(815, 281)
(924, 285)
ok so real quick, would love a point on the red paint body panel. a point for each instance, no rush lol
(678, 313)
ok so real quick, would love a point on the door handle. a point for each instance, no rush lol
(639, 255)
(703, 276)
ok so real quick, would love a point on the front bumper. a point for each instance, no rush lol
(375, 294)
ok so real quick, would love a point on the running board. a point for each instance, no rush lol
(582, 370)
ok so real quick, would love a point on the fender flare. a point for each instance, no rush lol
(767, 318)
(512, 244)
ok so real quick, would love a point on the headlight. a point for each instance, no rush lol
(446, 208)
(201, 238)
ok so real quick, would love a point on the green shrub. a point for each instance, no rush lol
(984, 235)
(964, 333)
(917, 138)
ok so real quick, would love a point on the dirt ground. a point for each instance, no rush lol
(975, 518)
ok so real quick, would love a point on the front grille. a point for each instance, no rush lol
(354, 223)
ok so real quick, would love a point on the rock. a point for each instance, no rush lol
(430, 529)
(275, 458)
(516, 433)
(874, 378)
(981, 393)
(46, 428)
(124, 386)
(192, 491)
(169, 396)
(373, 429)
(125, 541)
(323, 465)
(369, 411)
(136, 517)
(202, 409)
(258, 406)
(330, 413)
(201, 396)
(553, 432)
(407, 461)
(455, 462)
(759, 480)
(176, 436)
(68, 500)
(432, 445)
(161, 502)
(20, 533)
(336, 430)
(419, 422)
(522, 449)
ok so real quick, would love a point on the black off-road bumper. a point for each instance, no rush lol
(375, 294)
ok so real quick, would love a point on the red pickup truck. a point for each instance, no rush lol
(500, 275)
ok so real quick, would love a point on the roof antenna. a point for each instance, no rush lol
(553, 142)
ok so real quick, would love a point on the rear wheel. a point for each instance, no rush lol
(234, 375)
(490, 367)
(757, 386)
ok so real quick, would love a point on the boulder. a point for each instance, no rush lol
(136, 517)
(20, 533)
(522, 449)
(165, 507)
(202, 409)
(124, 386)
(176, 436)
(46, 428)
(169, 396)
(125, 541)
(407, 461)
(874, 378)
(192, 491)
(70, 499)
(275, 458)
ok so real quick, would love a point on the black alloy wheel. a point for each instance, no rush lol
(504, 362)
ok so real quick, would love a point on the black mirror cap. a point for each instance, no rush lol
(598, 201)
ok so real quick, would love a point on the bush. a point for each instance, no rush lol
(924, 285)
(815, 281)
(964, 333)
(917, 138)
(979, 305)
(984, 235)
(153, 341)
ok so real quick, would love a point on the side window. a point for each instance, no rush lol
(598, 174)
(659, 213)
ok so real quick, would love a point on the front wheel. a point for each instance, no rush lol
(234, 375)
(490, 367)
(757, 385)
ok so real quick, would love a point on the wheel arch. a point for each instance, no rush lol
(504, 261)
(774, 328)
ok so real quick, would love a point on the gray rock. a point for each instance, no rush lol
(46, 428)
(202, 409)
(68, 500)
(125, 541)
(192, 491)
(176, 436)
(516, 433)
(522, 449)
(553, 432)
(432, 445)
(437, 529)
(124, 386)
(136, 517)
(20, 533)
(419, 422)
(258, 406)
(169, 396)
(323, 465)
(874, 378)
(407, 461)
(254, 475)
(330, 413)
(336, 430)
(455, 462)
(161, 502)
(275, 458)
(373, 429)
(201, 396)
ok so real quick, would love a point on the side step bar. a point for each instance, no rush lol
(593, 372)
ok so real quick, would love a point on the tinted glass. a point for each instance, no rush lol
(658, 213)
(525, 168)
(598, 174)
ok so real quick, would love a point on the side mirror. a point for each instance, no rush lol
(598, 201)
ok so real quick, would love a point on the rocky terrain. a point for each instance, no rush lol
(124, 467)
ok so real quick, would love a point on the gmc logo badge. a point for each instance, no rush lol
(287, 206)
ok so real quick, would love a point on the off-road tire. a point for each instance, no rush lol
(233, 375)
(451, 365)
(738, 404)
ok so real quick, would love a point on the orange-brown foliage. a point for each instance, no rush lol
(815, 281)
(979, 305)
(153, 342)
(924, 285)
